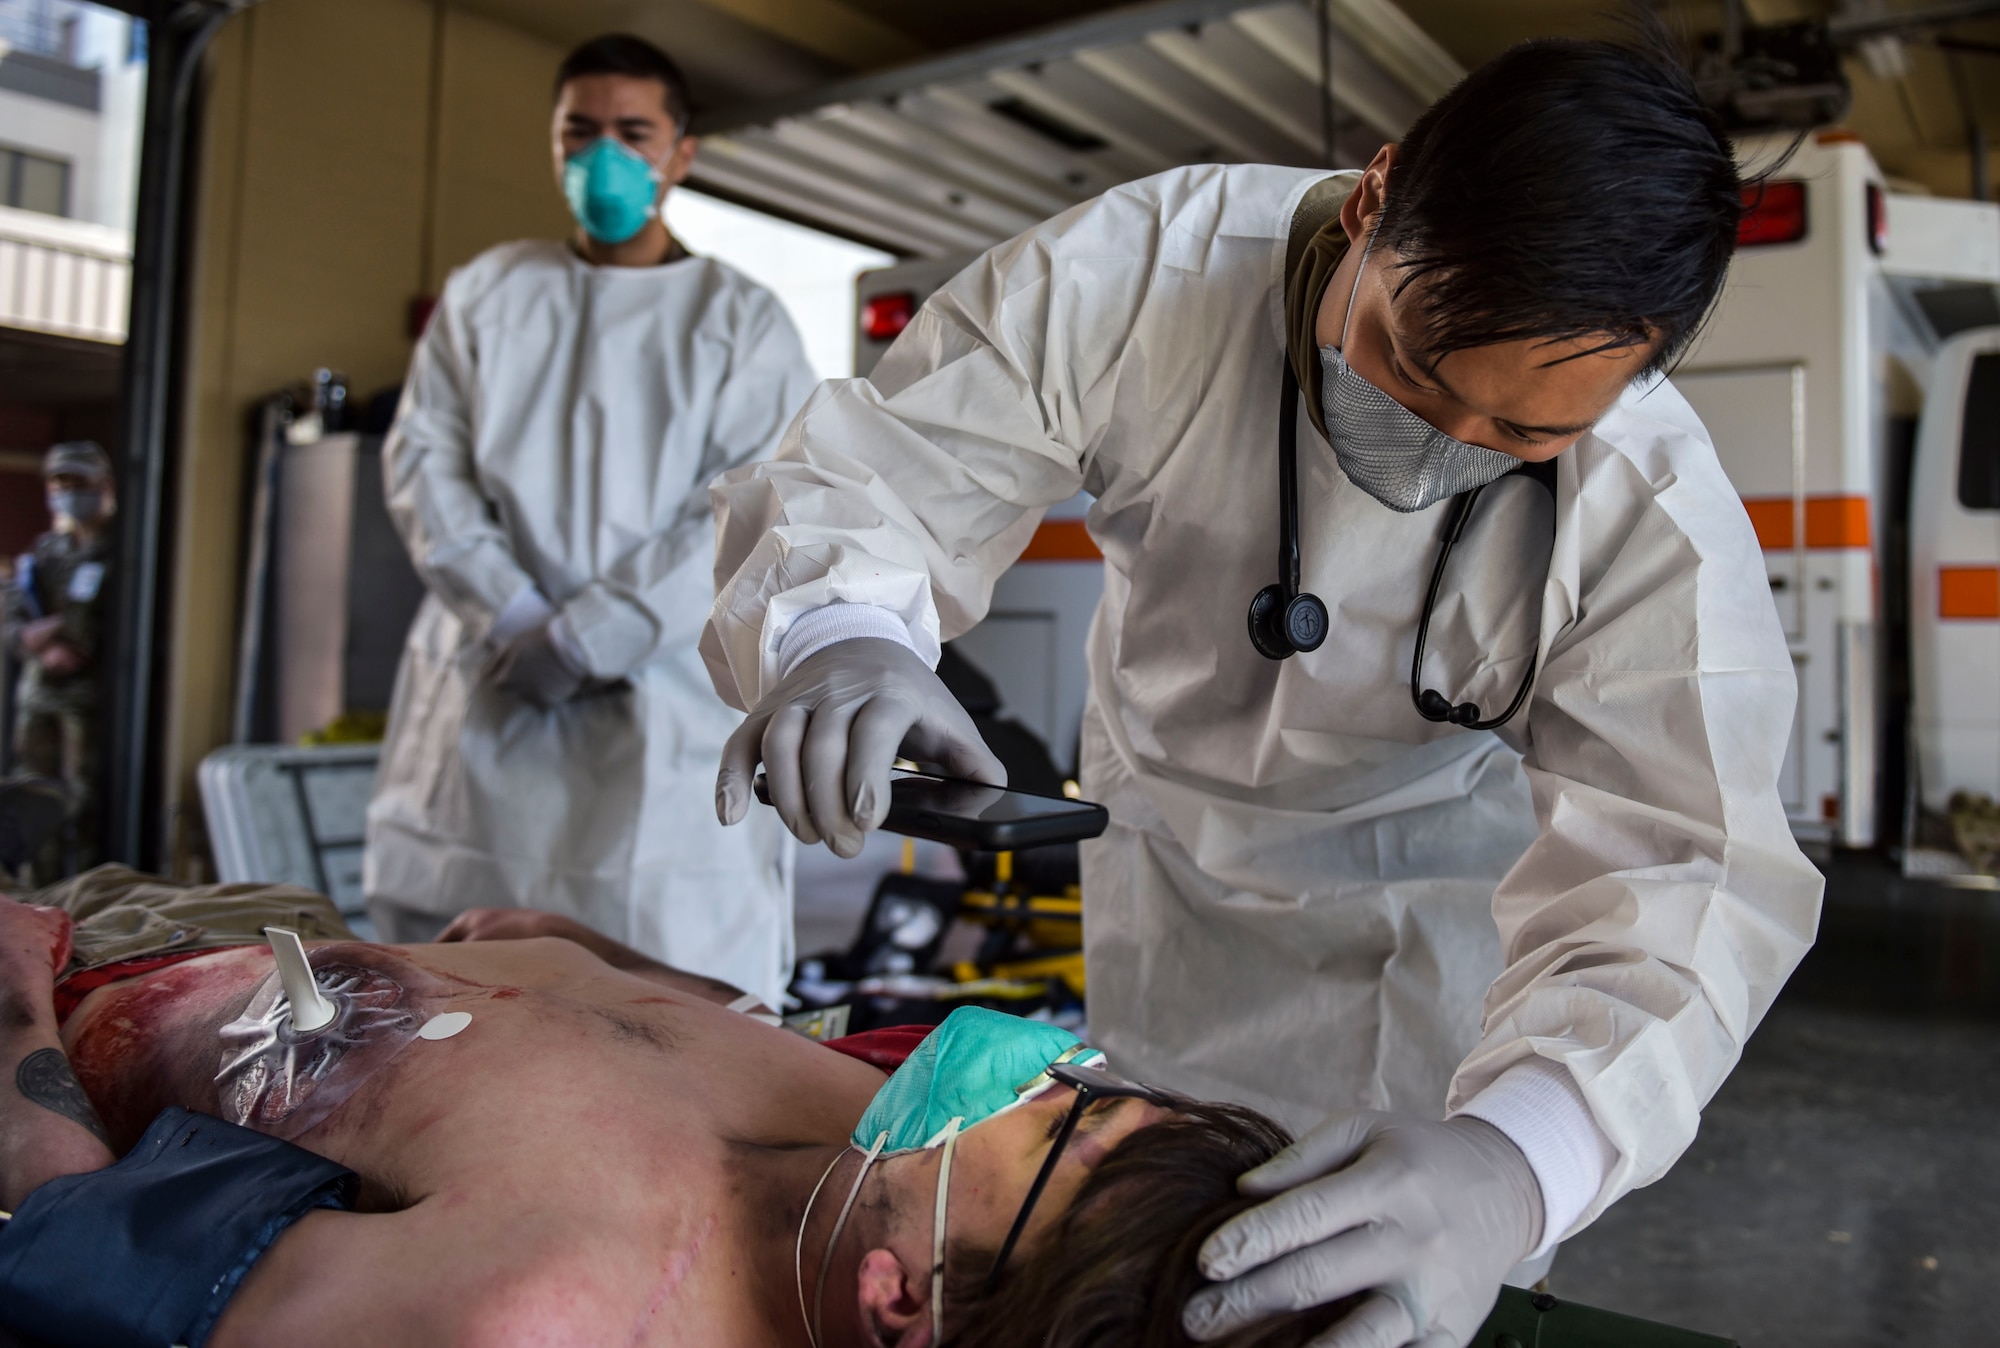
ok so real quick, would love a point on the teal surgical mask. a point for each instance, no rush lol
(976, 1066)
(611, 189)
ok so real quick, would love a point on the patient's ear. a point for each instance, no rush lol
(895, 1307)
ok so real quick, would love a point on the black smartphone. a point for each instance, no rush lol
(980, 817)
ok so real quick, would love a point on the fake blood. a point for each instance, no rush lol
(120, 1050)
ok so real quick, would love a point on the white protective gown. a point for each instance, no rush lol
(1307, 889)
(559, 429)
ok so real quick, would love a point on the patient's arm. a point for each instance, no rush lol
(47, 1126)
(453, 1268)
(514, 924)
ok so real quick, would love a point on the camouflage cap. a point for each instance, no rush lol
(83, 458)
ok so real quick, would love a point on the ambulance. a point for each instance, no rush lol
(1812, 377)
(1955, 601)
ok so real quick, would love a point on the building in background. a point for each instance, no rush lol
(71, 79)
(72, 85)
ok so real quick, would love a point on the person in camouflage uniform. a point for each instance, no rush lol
(55, 614)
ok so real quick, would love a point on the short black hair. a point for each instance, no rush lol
(1567, 189)
(624, 54)
(1116, 1268)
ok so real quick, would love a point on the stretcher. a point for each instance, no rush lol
(1537, 1320)
(1030, 955)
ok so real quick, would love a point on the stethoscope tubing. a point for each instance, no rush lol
(1430, 704)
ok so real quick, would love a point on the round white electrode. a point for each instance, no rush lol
(444, 1025)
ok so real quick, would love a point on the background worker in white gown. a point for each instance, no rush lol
(1527, 957)
(553, 737)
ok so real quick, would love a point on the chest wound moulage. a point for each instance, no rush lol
(310, 1037)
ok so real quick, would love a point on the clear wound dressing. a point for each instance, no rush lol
(281, 1078)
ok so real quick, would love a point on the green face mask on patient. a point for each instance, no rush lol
(976, 1065)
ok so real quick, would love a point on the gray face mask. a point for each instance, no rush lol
(1386, 449)
(82, 506)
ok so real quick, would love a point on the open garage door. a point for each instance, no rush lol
(954, 155)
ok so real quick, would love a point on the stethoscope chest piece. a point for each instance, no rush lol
(1282, 624)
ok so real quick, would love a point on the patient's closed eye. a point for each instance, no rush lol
(1094, 1115)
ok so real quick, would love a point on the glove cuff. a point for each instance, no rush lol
(562, 639)
(527, 610)
(814, 631)
(605, 635)
(1538, 1106)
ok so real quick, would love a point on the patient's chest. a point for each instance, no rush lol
(568, 1078)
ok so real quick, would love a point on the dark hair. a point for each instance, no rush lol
(1119, 1265)
(1567, 189)
(623, 54)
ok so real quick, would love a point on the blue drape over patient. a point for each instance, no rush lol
(148, 1251)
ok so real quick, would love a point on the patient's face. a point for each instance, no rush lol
(997, 1162)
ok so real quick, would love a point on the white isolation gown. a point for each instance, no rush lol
(559, 429)
(1307, 889)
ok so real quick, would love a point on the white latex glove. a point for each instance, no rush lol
(1427, 1217)
(534, 668)
(829, 733)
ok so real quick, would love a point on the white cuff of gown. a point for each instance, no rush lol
(1538, 1106)
(527, 610)
(816, 629)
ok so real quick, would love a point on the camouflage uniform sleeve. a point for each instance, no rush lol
(20, 607)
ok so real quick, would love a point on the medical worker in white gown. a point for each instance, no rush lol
(1312, 899)
(553, 737)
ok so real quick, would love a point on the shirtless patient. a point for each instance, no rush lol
(607, 1154)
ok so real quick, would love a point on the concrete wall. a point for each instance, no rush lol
(354, 151)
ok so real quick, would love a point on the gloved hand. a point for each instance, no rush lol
(830, 731)
(1426, 1216)
(533, 667)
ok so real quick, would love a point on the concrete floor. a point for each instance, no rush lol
(1845, 1188)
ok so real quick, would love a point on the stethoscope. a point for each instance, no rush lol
(1285, 619)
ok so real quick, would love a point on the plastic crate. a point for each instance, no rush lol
(279, 814)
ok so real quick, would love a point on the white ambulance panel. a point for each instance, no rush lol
(1955, 573)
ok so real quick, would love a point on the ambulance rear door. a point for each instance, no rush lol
(1955, 574)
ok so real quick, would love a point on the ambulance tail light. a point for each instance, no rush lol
(883, 317)
(1772, 213)
(1878, 220)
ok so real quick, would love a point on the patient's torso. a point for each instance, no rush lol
(574, 1090)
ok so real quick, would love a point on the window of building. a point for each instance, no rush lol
(34, 182)
(1979, 436)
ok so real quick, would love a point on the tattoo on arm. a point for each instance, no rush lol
(44, 1078)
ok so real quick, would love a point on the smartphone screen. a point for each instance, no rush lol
(972, 814)
(985, 818)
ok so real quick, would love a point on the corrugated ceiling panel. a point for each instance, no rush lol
(954, 155)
